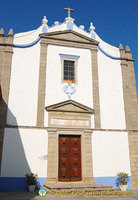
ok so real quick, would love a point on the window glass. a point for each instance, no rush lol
(69, 71)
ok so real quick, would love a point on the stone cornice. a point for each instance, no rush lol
(69, 36)
(75, 107)
(127, 59)
(57, 128)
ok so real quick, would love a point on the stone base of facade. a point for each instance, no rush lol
(76, 185)
(89, 180)
(133, 151)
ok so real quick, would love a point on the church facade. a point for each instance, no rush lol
(68, 107)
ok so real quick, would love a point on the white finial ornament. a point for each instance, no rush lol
(92, 28)
(44, 25)
(56, 23)
(81, 27)
(44, 21)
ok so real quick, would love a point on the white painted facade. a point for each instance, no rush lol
(24, 86)
(111, 93)
(25, 73)
(26, 149)
(55, 85)
(110, 153)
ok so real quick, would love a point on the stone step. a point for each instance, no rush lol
(76, 185)
(90, 191)
(82, 188)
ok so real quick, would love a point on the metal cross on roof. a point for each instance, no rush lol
(69, 9)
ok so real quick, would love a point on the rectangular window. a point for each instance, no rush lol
(69, 65)
(69, 71)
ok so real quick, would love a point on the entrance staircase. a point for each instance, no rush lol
(80, 188)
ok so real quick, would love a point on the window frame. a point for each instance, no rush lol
(68, 80)
(73, 58)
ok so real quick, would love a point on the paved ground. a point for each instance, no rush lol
(34, 196)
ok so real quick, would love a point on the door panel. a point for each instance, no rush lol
(75, 158)
(64, 173)
(69, 158)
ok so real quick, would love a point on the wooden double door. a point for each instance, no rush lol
(69, 158)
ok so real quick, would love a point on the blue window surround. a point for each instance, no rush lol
(72, 58)
(67, 56)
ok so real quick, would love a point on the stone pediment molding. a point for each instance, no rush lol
(69, 36)
(70, 106)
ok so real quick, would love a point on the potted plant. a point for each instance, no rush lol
(122, 180)
(31, 180)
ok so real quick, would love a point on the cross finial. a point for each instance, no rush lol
(69, 9)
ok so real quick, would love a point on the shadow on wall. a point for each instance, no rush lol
(13, 161)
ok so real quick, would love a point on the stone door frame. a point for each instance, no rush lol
(53, 154)
(69, 118)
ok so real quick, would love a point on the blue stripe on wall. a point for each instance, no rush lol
(111, 181)
(41, 181)
(17, 183)
(107, 54)
(27, 45)
(13, 184)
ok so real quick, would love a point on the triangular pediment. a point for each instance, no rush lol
(70, 36)
(70, 106)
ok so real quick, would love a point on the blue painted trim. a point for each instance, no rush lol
(27, 45)
(70, 25)
(41, 181)
(17, 183)
(70, 57)
(13, 184)
(93, 36)
(111, 181)
(67, 56)
(69, 90)
(108, 55)
(44, 29)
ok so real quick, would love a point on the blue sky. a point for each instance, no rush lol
(116, 21)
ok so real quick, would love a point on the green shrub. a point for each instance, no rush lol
(122, 179)
(31, 179)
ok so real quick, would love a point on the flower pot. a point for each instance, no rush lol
(32, 188)
(123, 187)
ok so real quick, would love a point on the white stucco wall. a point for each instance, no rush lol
(110, 93)
(110, 153)
(25, 73)
(28, 37)
(24, 151)
(23, 93)
(54, 85)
